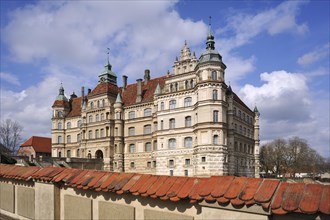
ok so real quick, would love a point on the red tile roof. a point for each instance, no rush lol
(129, 94)
(280, 198)
(61, 103)
(104, 88)
(39, 144)
(76, 107)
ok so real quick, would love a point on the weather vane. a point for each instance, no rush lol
(210, 18)
(108, 52)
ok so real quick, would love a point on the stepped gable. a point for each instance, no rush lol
(278, 197)
(148, 90)
(39, 144)
(75, 107)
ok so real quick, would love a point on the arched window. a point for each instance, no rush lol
(215, 94)
(147, 112)
(132, 165)
(90, 119)
(90, 135)
(97, 133)
(102, 133)
(59, 126)
(78, 137)
(89, 156)
(187, 121)
(132, 148)
(214, 75)
(162, 106)
(68, 153)
(68, 125)
(187, 102)
(188, 142)
(186, 84)
(98, 103)
(148, 147)
(92, 105)
(131, 115)
(176, 86)
(79, 124)
(131, 131)
(59, 139)
(97, 117)
(78, 152)
(215, 139)
(99, 154)
(68, 139)
(147, 129)
(171, 88)
(172, 104)
(59, 154)
(102, 102)
(102, 117)
(172, 143)
(215, 116)
(192, 84)
(172, 123)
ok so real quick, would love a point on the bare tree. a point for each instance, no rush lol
(10, 134)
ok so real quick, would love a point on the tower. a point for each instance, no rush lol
(119, 134)
(256, 141)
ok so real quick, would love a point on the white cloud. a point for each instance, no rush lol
(287, 109)
(314, 56)
(274, 21)
(10, 78)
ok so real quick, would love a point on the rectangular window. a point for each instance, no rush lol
(102, 133)
(147, 129)
(162, 106)
(171, 163)
(90, 135)
(78, 137)
(203, 159)
(172, 123)
(171, 173)
(132, 165)
(161, 125)
(187, 102)
(149, 164)
(154, 163)
(215, 116)
(97, 133)
(187, 162)
(172, 104)
(131, 115)
(188, 121)
(147, 112)
(186, 172)
(131, 131)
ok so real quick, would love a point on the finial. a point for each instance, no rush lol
(185, 42)
(210, 19)
(108, 51)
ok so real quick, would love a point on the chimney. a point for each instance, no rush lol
(82, 92)
(89, 91)
(124, 82)
(139, 90)
(146, 76)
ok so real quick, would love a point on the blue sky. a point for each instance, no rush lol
(277, 54)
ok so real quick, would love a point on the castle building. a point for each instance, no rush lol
(186, 123)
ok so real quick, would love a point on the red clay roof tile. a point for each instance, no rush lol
(223, 200)
(237, 202)
(186, 188)
(131, 182)
(138, 184)
(153, 189)
(210, 185)
(311, 198)
(222, 186)
(178, 184)
(279, 211)
(292, 196)
(124, 180)
(266, 190)
(235, 187)
(75, 107)
(162, 190)
(277, 201)
(39, 144)
(99, 183)
(108, 181)
(325, 200)
(196, 189)
(250, 189)
(147, 185)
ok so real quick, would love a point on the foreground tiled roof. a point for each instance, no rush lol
(39, 144)
(279, 197)
(129, 94)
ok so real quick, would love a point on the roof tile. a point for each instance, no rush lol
(139, 183)
(147, 185)
(277, 201)
(235, 187)
(178, 184)
(325, 200)
(222, 186)
(162, 190)
(311, 198)
(131, 182)
(266, 190)
(153, 189)
(292, 196)
(250, 189)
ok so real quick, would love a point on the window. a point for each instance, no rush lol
(59, 126)
(89, 156)
(102, 133)
(244, 130)
(60, 114)
(155, 145)
(59, 154)
(214, 75)
(132, 148)
(97, 117)
(92, 105)
(176, 87)
(59, 139)
(68, 125)
(149, 164)
(172, 104)
(90, 118)
(186, 172)
(78, 137)
(187, 162)
(187, 102)
(172, 123)
(90, 135)
(78, 152)
(215, 94)
(118, 115)
(248, 132)
(147, 112)
(187, 121)
(79, 124)
(147, 129)
(154, 163)
(68, 153)
(97, 133)
(162, 106)
(234, 111)
(243, 116)
(215, 139)
(161, 125)
(102, 117)
(171, 173)
(116, 131)
(215, 116)
(203, 159)
(240, 129)
(131, 131)
(68, 139)
(116, 165)
(186, 83)
(235, 146)
(131, 115)
(148, 147)
(132, 165)
(171, 163)
(172, 143)
(188, 142)
(98, 103)
(239, 113)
